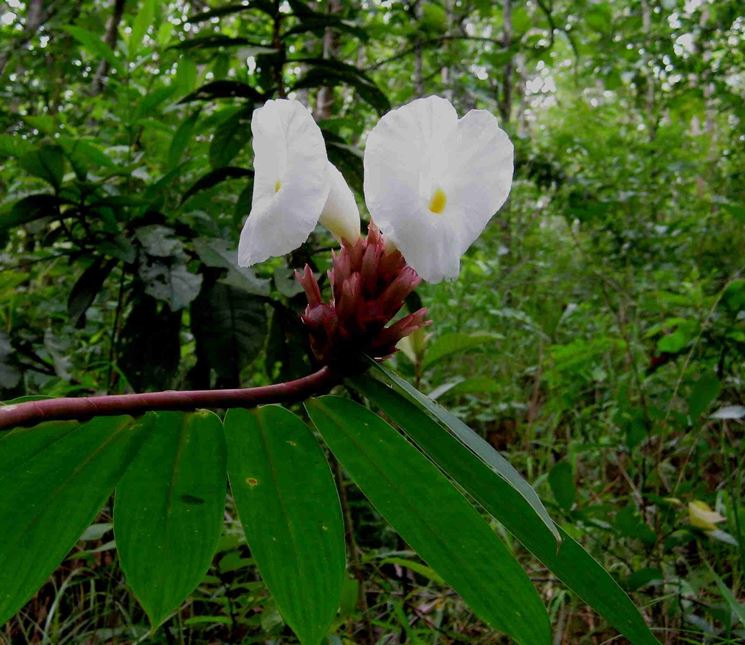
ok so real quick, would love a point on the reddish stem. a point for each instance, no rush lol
(33, 412)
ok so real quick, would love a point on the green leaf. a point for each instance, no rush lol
(568, 560)
(704, 393)
(148, 105)
(217, 41)
(85, 290)
(433, 517)
(229, 327)
(169, 508)
(85, 156)
(171, 283)
(10, 374)
(219, 253)
(324, 74)
(93, 43)
(290, 511)
(46, 162)
(31, 208)
(182, 138)
(561, 480)
(230, 137)
(142, 22)
(630, 524)
(466, 441)
(215, 177)
(455, 343)
(733, 297)
(738, 609)
(54, 478)
(14, 145)
(263, 5)
(678, 340)
(154, 332)
(224, 90)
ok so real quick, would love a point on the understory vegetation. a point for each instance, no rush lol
(595, 336)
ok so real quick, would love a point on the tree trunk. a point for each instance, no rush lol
(505, 101)
(112, 35)
(325, 98)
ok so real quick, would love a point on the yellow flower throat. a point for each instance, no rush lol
(438, 201)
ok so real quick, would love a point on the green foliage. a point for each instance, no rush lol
(55, 478)
(169, 509)
(290, 511)
(502, 497)
(433, 517)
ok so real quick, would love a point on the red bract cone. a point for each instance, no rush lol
(369, 288)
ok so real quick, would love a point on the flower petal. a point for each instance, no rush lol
(291, 181)
(480, 172)
(341, 215)
(432, 182)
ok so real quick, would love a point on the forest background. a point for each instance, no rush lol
(596, 334)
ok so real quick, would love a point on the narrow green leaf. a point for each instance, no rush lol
(290, 511)
(433, 517)
(561, 480)
(95, 45)
(85, 290)
(182, 138)
(31, 208)
(46, 162)
(85, 156)
(223, 90)
(230, 136)
(369, 92)
(736, 608)
(467, 438)
(54, 478)
(143, 20)
(169, 508)
(568, 560)
(215, 177)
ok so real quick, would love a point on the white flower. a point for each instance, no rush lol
(433, 181)
(294, 184)
(340, 214)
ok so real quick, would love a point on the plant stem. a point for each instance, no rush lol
(33, 412)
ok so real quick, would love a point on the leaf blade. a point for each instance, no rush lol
(169, 507)
(567, 559)
(449, 534)
(54, 479)
(468, 438)
(290, 511)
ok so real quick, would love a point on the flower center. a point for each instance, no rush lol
(438, 201)
(277, 185)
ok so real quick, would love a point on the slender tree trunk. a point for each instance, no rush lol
(505, 102)
(112, 35)
(649, 99)
(325, 98)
